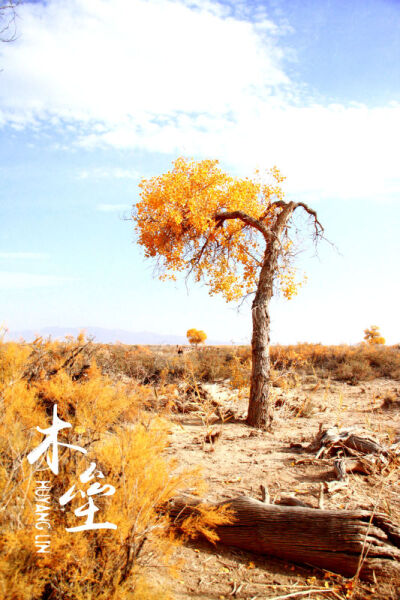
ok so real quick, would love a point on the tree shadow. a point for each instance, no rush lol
(268, 563)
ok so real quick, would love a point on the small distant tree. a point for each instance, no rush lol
(233, 233)
(372, 335)
(196, 336)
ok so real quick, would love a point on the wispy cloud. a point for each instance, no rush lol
(108, 173)
(190, 77)
(23, 255)
(15, 281)
(113, 207)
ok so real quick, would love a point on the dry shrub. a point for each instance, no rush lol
(203, 520)
(13, 358)
(355, 369)
(162, 365)
(150, 365)
(391, 399)
(144, 364)
(344, 363)
(47, 357)
(97, 563)
(240, 369)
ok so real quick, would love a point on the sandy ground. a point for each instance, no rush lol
(242, 458)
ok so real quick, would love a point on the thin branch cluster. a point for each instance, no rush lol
(8, 16)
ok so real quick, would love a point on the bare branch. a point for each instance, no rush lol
(196, 259)
(8, 16)
(290, 207)
(256, 260)
(244, 298)
(319, 230)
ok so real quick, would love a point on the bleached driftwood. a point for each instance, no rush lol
(335, 540)
(330, 441)
(354, 451)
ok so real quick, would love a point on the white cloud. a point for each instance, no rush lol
(15, 281)
(190, 77)
(113, 207)
(98, 61)
(23, 255)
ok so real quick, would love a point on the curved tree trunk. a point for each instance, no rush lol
(259, 411)
(342, 541)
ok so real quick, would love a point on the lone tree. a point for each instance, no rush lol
(196, 336)
(372, 335)
(232, 233)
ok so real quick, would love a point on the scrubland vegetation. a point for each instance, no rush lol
(351, 364)
(120, 402)
(108, 419)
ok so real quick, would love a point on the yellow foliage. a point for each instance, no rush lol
(127, 447)
(196, 336)
(373, 336)
(204, 519)
(240, 366)
(96, 401)
(175, 224)
(13, 359)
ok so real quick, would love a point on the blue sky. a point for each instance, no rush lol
(96, 94)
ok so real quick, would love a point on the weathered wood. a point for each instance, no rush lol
(195, 399)
(285, 500)
(260, 410)
(364, 465)
(291, 501)
(332, 442)
(339, 466)
(335, 540)
(364, 445)
(265, 497)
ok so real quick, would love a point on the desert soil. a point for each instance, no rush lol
(243, 458)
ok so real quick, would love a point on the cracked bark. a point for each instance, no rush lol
(336, 540)
(260, 410)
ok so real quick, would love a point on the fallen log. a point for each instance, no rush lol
(334, 540)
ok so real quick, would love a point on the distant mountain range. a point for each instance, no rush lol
(106, 336)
